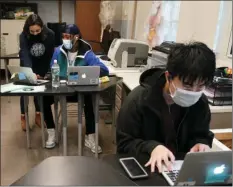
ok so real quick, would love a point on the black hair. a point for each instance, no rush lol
(33, 19)
(192, 62)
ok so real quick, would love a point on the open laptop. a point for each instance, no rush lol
(29, 79)
(83, 75)
(202, 169)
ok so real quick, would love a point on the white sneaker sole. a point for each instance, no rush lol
(50, 146)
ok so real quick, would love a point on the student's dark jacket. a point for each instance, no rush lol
(40, 65)
(143, 121)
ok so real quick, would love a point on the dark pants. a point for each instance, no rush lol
(88, 111)
(36, 102)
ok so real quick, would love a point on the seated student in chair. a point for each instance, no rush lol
(66, 55)
(168, 112)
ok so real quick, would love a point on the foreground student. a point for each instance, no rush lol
(67, 55)
(168, 113)
(36, 50)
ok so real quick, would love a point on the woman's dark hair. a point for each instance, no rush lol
(192, 62)
(33, 19)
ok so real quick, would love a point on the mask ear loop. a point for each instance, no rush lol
(171, 82)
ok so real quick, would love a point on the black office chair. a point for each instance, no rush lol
(58, 29)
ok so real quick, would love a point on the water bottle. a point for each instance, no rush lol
(55, 74)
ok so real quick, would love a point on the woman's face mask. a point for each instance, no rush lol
(35, 32)
(67, 44)
(185, 98)
(35, 38)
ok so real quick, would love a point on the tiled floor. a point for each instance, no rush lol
(16, 159)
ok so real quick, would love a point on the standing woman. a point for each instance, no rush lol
(36, 49)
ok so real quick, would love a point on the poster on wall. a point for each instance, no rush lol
(152, 24)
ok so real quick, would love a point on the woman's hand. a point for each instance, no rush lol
(39, 77)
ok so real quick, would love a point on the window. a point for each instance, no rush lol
(229, 52)
(219, 24)
(170, 15)
(166, 16)
(223, 37)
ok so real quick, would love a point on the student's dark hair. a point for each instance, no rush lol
(33, 19)
(192, 62)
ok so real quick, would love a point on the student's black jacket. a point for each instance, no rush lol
(143, 121)
(37, 53)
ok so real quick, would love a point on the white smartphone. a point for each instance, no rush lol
(133, 168)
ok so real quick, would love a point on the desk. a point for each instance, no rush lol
(6, 59)
(221, 115)
(154, 179)
(61, 92)
(131, 78)
(94, 90)
(73, 171)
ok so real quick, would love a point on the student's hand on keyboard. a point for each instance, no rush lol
(200, 148)
(160, 155)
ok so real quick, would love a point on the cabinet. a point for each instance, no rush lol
(10, 31)
(222, 120)
(224, 137)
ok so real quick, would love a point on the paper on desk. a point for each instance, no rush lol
(11, 87)
(35, 89)
(175, 166)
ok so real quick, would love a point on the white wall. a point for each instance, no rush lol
(197, 21)
(118, 15)
(142, 14)
(127, 18)
(68, 13)
(48, 10)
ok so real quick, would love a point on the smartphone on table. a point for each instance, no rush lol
(133, 168)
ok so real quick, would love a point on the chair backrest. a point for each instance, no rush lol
(57, 28)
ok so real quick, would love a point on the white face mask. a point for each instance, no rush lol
(67, 44)
(185, 98)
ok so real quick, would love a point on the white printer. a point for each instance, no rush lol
(125, 53)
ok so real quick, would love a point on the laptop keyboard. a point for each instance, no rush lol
(173, 175)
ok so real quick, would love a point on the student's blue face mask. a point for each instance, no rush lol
(67, 44)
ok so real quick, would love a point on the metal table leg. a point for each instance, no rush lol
(42, 120)
(56, 99)
(96, 112)
(27, 121)
(64, 123)
(80, 111)
(6, 62)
